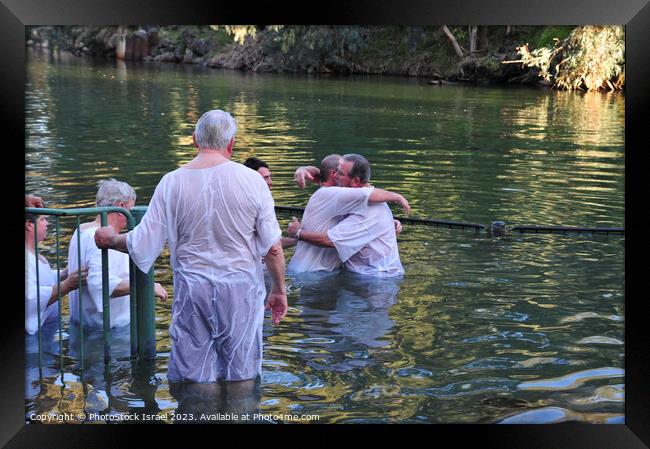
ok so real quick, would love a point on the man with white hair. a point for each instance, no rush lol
(218, 219)
(111, 192)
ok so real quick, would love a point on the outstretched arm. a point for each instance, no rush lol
(315, 238)
(384, 196)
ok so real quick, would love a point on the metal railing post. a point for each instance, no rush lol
(146, 312)
(106, 306)
(58, 289)
(38, 298)
(79, 298)
(133, 303)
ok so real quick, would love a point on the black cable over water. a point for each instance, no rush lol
(426, 221)
(497, 229)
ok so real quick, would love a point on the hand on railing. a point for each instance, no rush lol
(159, 292)
(33, 201)
(107, 238)
(104, 237)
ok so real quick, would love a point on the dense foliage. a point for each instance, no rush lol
(568, 57)
(590, 58)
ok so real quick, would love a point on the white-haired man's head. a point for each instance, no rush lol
(111, 192)
(215, 130)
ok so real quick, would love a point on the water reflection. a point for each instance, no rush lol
(218, 402)
(474, 317)
(347, 316)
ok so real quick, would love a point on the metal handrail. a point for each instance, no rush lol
(142, 330)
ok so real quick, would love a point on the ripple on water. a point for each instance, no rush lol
(490, 363)
(417, 373)
(531, 337)
(607, 393)
(600, 340)
(586, 315)
(376, 392)
(499, 313)
(467, 388)
(572, 380)
(536, 361)
(315, 341)
(551, 415)
(280, 378)
(545, 415)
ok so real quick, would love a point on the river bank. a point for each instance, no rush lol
(400, 51)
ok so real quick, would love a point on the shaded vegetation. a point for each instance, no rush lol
(584, 57)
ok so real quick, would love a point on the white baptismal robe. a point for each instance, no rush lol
(91, 300)
(326, 207)
(218, 222)
(41, 294)
(367, 243)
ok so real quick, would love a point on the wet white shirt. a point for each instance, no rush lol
(326, 207)
(47, 281)
(91, 293)
(218, 222)
(366, 242)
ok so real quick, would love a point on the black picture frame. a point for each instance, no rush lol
(635, 14)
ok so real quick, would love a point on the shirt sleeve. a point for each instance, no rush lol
(352, 234)
(349, 199)
(266, 226)
(148, 238)
(93, 259)
(33, 296)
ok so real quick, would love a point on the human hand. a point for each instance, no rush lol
(104, 237)
(159, 291)
(277, 304)
(398, 226)
(404, 204)
(293, 227)
(72, 280)
(304, 174)
(33, 201)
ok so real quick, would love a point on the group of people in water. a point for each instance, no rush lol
(217, 218)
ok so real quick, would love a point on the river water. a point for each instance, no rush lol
(524, 328)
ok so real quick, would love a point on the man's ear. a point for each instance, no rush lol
(231, 144)
(29, 226)
(194, 139)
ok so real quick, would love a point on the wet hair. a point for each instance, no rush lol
(330, 162)
(360, 168)
(255, 163)
(214, 130)
(111, 191)
(31, 217)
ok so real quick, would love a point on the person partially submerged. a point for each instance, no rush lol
(42, 291)
(218, 220)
